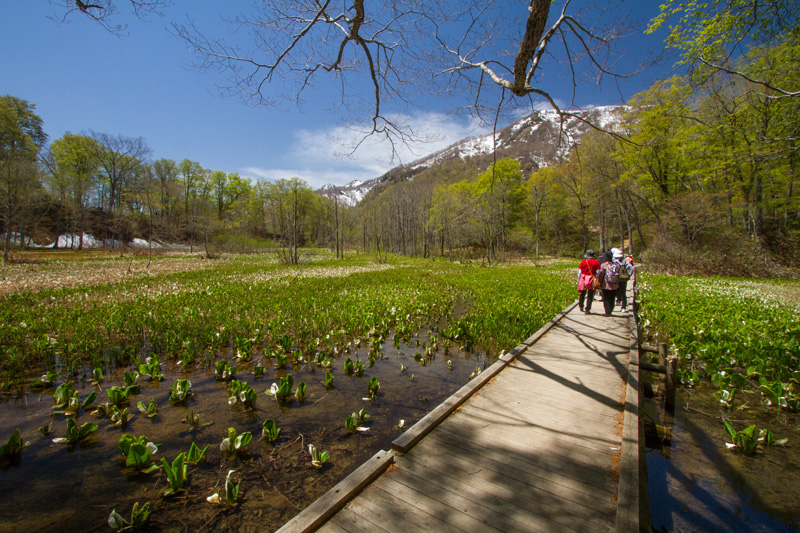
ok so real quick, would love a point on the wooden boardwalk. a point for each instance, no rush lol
(537, 448)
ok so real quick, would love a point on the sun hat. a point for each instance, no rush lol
(589, 254)
(617, 253)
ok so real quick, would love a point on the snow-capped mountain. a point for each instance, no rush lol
(542, 138)
(349, 194)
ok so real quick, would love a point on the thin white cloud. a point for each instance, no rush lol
(327, 156)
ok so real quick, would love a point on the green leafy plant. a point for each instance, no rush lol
(241, 392)
(300, 393)
(234, 443)
(63, 394)
(359, 368)
(176, 473)
(231, 493)
(195, 454)
(362, 415)
(283, 391)
(97, 376)
(45, 430)
(258, 371)
(351, 423)
(118, 395)
(725, 397)
(139, 518)
(150, 409)
(119, 416)
(75, 434)
(13, 448)
(766, 438)
(281, 359)
(130, 379)
(270, 430)
(138, 453)
(373, 387)
(285, 343)
(192, 418)
(349, 366)
(180, 391)
(74, 405)
(151, 368)
(743, 440)
(317, 457)
(328, 379)
(244, 348)
(223, 370)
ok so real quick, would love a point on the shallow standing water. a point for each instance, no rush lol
(697, 484)
(55, 488)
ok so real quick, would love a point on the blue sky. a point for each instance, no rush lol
(81, 78)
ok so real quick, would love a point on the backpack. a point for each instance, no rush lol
(612, 272)
(624, 272)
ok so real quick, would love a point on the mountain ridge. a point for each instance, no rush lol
(541, 138)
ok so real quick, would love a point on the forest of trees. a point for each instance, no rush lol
(701, 170)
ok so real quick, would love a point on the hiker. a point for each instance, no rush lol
(587, 277)
(625, 273)
(609, 281)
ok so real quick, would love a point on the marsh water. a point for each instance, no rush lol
(57, 488)
(697, 484)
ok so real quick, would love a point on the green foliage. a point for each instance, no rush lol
(195, 454)
(317, 457)
(328, 379)
(118, 395)
(373, 387)
(138, 452)
(241, 393)
(139, 518)
(119, 416)
(223, 369)
(283, 391)
(130, 379)
(75, 434)
(63, 394)
(231, 493)
(351, 423)
(13, 448)
(176, 473)
(358, 368)
(738, 331)
(150, 409)
(270, 430)
(151, 368)
(180, 391)
(300, 393)
(235, 443)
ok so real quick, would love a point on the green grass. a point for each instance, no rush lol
(321, 305)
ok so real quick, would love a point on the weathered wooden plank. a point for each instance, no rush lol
(459, 511)
(523, 501)
(605, 428)
(518, 479)
(391, 517)
(332, 527)
(548, 435)
(560, 468)
(520, 408)
(421, 520)
(353, 523)
(417, 496)
(318, 512)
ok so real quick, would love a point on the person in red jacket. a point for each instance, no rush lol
(587, 274)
